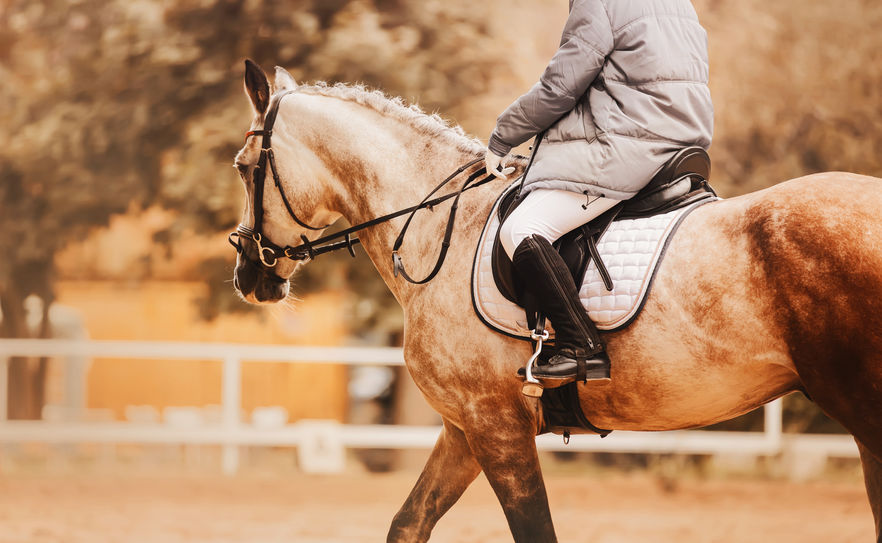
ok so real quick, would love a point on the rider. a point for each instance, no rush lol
(625, 91)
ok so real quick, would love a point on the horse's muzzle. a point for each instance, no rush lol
(257, 284)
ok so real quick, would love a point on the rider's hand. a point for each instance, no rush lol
(493, 162)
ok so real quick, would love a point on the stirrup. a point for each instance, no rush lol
(533, 387)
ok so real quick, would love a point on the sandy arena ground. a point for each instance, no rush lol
(356, 508)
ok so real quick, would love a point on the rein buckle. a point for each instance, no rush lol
(349, 242)
(396, 263)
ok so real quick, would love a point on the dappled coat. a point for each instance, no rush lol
(626, 89)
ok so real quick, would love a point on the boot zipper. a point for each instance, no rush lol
(568, 302)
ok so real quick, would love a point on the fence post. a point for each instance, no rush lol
(4, 386)
(773, 424)
(232, 404)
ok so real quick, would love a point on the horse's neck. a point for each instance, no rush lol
(386, 169)
(398, 177)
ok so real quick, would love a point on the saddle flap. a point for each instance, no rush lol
(631, 250)
(504, 274)
(508, 201)
(573, 248)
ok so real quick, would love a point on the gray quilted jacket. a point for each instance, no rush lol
(626, 89)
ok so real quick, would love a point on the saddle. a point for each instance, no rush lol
(681, 182)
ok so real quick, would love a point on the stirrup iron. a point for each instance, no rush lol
(532, 386)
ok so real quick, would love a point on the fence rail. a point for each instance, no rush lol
(321, 444)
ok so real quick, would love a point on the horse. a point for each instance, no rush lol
(758, 296)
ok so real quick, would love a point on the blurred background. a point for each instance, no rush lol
(120, 119)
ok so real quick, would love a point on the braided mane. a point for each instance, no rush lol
(432, 125)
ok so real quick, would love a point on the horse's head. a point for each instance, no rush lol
(285, 195)
(315, 153)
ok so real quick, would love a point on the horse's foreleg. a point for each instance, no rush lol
(873, 479)
(451, 468)
(506, 450)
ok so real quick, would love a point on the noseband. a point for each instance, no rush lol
(269, 253)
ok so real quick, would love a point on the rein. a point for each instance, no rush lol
(270, 253)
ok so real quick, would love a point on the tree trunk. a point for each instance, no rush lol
(26, 376)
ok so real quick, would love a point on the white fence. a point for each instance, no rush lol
(321, 444)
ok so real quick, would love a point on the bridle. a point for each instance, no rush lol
(266, 248)
(269, 253)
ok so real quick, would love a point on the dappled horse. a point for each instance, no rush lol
(757, 296)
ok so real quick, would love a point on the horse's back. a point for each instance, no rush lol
(835, 191)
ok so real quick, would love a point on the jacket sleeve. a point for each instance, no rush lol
(587, 40)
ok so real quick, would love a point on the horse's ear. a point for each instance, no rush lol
(284, 80)
(257, 87)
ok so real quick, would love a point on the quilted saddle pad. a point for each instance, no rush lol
(631, 249)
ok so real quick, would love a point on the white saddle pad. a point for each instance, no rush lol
(631, 250)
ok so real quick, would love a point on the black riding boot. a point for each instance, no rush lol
(544, 273)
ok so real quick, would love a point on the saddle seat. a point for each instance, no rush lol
(681, 182)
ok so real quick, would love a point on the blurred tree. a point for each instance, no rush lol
(116, 105)
(797, 89)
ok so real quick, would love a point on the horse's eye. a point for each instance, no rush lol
(243, 168)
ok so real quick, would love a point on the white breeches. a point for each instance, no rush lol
(551, 214)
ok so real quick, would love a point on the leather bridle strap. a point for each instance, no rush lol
(268, 159)
(310, 249)
(397, 264)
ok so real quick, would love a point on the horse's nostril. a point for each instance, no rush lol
(245, 278)
(270, 291)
